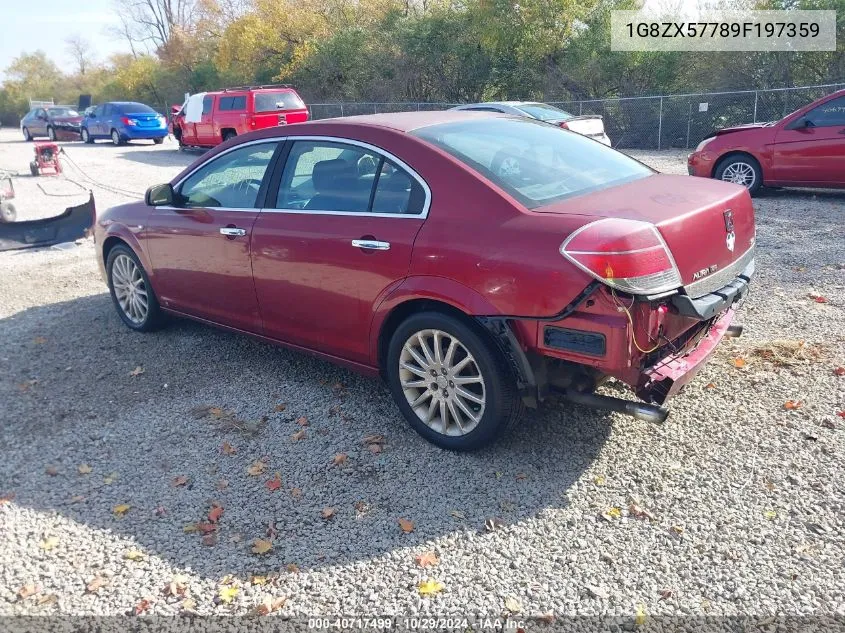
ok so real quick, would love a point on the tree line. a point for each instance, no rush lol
(444, 51)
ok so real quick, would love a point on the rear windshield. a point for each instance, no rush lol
(544, 112)
(271, 101)
(62, 112)
(134, 108)
(534, 162)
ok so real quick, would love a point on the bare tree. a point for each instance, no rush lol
(80, 50)
(152, 23)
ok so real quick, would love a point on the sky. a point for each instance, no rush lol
(46, 24)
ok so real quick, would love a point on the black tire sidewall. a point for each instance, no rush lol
(8, 213)
(27, 136)
(154, 311)
(85, 135)
(51, 133)
(750, 160)
(119, 140)
(492, 367)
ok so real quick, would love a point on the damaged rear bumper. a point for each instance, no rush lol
(75, 223)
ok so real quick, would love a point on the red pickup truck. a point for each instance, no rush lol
(208, 119)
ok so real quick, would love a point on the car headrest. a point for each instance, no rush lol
(331, 175)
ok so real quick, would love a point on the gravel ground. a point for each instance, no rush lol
(739, 500)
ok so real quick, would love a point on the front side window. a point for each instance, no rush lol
(272, 101)
(330, 176)
(231, 180)
(828, 114)
(536, 163)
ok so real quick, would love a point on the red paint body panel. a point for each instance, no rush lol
(801, 157)
(295, 278)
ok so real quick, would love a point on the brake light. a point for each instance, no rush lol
(564, 125)
(127, 121)
(628, 255)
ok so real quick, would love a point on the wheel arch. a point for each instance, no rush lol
(733, 153)
(120, 235)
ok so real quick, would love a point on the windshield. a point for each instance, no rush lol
(536, 163)
(62, 112)
(270, 101)
(134, 108)
(544, 112)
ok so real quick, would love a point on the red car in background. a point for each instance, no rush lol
(804, 149)
(390, 244)
(236, 111)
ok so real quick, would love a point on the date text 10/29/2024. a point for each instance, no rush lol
(416, 623)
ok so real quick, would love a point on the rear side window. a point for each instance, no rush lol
(536, 163)
(272, 101)
(230, 104)
(206, 104)
(134, 108)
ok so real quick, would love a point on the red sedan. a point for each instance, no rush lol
(397, 244)
(804, 149)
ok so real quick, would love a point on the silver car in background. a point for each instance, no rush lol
(591, 125)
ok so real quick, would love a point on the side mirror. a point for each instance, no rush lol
(160, 195)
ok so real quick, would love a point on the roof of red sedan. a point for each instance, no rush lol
(408, 121)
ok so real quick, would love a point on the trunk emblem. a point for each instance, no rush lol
(730, 240)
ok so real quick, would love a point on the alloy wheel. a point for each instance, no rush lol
(739, 173)
(442, 382)
(130, 289)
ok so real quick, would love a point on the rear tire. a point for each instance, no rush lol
(158, 141)
(741, 169)
(228, 134)
(129, 287)
(116, 138)
(8, 213)
(472, 386)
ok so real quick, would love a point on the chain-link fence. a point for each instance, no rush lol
(655, 122)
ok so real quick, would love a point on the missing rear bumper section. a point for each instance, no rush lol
(73, 224)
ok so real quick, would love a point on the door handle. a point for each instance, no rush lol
(374, 245)
(230, 231)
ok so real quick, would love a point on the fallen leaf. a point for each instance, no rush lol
(612, 513)
(676, 529)
(818, 298)
(374, 439)
(269, 604)
(457, 514)
(638, 512)
(430, 587)
(303, 421)
(39, 340)
(206, 528)
(77, 499)
(841, 414)
(600, 480)
(641, 615)
(339, 459)
(738, 362)
(512, 605)
(521, 476)
(375, 449)
(95, 585)
(771, 515)
(292, 568)
(209, 540)
(260, 546)
(52, 471)
(137, 371)
(7, 498)
(275, 483)
(121, 509)
(46, 599)
(191, 528)
(49, 543)
(665, 594)
(142, 606)
(110, 479)
(299, 435)
(227, 593)
(178, 586)
(296, 493)
(839, 371)
(427, 559)
(493, 523)
(189, 606)
(710, 385)
(228, 449)
(258, 580)
(256, 469)
(280, 407)
(215, 513)
(222, 484)
(134, 554)
(28, 590)
(84, 469)
(327, 513)
(792, 404)
(406, 526)
(181, 480)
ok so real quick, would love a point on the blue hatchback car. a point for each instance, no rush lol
(123, 121)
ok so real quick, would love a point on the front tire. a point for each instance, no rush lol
(86, 136)
(451, 382)
(51, 133)
(26, 135)
(741, 169)
(131, 291)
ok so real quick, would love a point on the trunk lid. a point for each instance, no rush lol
(587, 125)
(693, 215)
(145, 119)
(277, 107)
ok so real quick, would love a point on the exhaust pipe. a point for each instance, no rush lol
(734, 331)
(639, 410)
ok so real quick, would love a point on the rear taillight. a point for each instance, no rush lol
(628, 255)
(127, 121)
(564, 125)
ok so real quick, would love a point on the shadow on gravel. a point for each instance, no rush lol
(71, 399)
